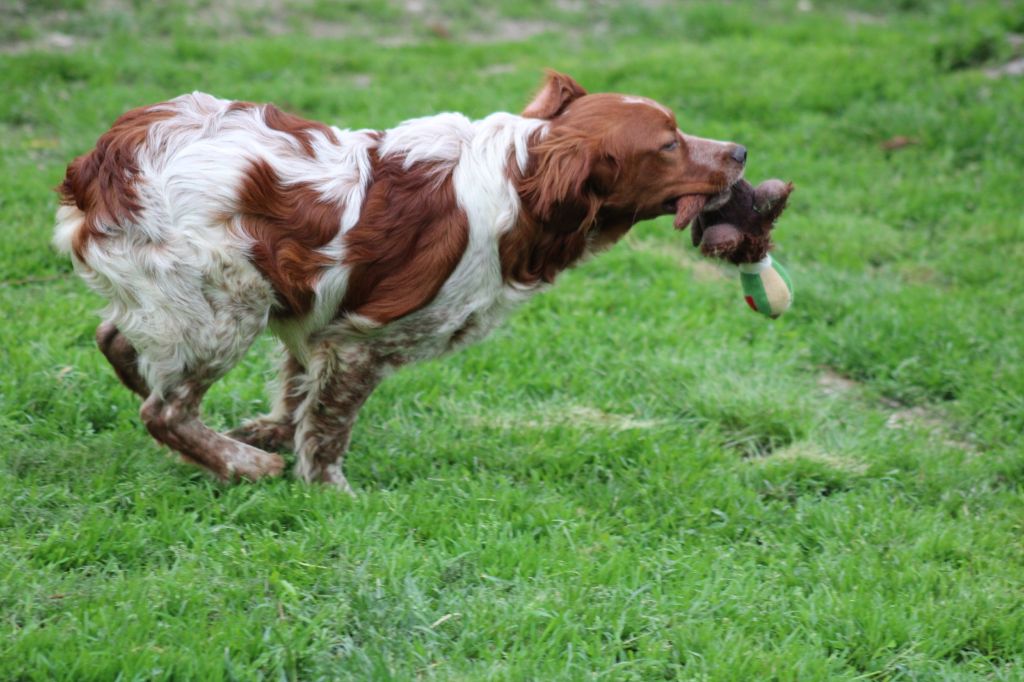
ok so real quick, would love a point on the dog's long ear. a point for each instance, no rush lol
(555, 95)
(558, 183)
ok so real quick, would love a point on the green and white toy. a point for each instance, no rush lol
(766, 287)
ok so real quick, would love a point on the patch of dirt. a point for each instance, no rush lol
(898, 142)
(49, 42)
(921, 418)
(832, 384)
(1012, 68)
(511, 30)
(328, 30)
(62, 30)
(910, 417)
(361, 80)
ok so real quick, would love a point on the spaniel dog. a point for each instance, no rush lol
(203, 221)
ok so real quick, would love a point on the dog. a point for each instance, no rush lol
(205, 221)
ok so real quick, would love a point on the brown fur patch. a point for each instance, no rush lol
(296, 126)
(557, 212)
(122, 357)
(529, 253)
(410, 236)
(288, 223)
(101, 183)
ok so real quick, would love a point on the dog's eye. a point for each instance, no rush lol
(671, 146)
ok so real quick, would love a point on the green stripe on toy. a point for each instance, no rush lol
(766, 286)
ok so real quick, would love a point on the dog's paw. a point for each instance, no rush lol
(265, 434)
(252, 464)
(329, 475)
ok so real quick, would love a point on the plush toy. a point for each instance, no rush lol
(739, 231)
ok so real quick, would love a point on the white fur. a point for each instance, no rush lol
(646, 101)
(181, 287)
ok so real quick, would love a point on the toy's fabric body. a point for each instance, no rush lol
(766, 287)
(739, 231)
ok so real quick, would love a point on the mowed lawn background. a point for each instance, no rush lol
(635, 478)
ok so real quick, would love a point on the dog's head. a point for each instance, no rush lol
(623, 157)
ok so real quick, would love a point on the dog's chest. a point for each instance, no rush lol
(470, 306)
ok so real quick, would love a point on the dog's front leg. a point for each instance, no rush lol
(276, 430)
(339, 380)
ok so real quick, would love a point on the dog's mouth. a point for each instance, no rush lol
(688, 206)
(719, 200)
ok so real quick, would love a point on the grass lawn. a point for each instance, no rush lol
(635, 478)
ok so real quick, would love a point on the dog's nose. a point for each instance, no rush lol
(739, 154)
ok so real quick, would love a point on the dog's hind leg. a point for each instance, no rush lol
(340, 379)
(122, 356)
(199, 327)
(180, 374)
(173, 419)
(277, 429)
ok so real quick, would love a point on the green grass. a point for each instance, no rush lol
(633, 479)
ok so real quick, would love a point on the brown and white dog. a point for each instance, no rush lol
(204, 221)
